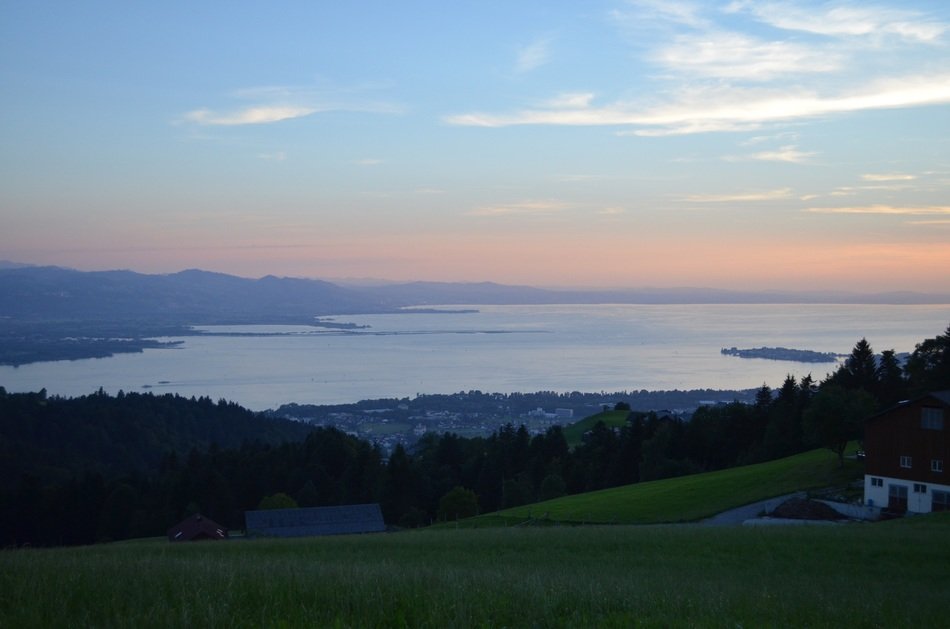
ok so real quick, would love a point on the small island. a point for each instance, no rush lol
(783, 353)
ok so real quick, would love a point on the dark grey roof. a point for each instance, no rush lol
(367, 518)
(196, 527)
(943, 396)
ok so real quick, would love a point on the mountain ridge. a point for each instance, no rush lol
(195, 296)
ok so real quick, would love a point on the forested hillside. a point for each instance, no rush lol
(53, 437)
(102, 467)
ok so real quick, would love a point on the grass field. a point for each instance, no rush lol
(574, 433)
(891, 574)
(688, 498)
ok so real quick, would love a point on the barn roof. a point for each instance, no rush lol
(365, 518)
(196, 527)
(943, 397)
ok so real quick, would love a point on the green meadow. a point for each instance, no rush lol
(861, 575)
(888, 574)
(688, 498)
(574, 433)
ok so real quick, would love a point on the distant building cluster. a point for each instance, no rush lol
(474, 414)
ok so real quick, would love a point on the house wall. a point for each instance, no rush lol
(917, 501)
(898, 433)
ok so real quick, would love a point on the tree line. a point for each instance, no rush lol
(96, 468)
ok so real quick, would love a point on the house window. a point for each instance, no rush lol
(936, 465)
(931, 418)
(940, 500)
(919, 488)
(877, 482)
(906, 461)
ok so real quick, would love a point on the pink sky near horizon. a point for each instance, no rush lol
(796, 145)
(556, 260)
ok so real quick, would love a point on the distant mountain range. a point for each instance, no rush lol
(484, 293)
(34, 293)
(191, 297)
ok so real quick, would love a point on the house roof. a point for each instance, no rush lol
(941, 396)
(196, 527)
(364, 518)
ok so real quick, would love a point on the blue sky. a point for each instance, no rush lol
(631, 143)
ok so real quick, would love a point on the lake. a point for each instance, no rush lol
(587, 348)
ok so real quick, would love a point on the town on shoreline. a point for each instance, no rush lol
(390, 422)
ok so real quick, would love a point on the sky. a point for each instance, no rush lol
(627, 143)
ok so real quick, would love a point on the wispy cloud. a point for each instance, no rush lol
(844, 19)
(727, 55)
(707, 109)
(534, 55)
(279, 103)
(788, 153)
(899, 210)
(945, 221)
(277, 156)
(531, 208)
(888, 177)
(367, 161)
(844, 191)
(794, 61)
(741, 197)
(249, 115)
(571, 100)
(675, 11)
(785, 136)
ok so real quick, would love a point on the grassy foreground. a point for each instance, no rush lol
(687, 498)
(882, 575)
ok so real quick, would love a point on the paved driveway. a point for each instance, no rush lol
(748, 512)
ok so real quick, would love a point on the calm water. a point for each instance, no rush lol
(499, 348)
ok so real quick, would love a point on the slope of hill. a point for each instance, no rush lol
(56, 438)
(574, 433)
(687, 498)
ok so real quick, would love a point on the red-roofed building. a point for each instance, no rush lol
(907, 451)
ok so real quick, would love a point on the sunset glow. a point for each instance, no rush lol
(624, 143)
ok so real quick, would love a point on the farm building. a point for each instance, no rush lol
(195, 528)
(365, 518)
(907, 449)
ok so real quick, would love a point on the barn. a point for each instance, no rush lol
(196, 528)
(341, 520)
(907, 448)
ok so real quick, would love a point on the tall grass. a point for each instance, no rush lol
(891, 574)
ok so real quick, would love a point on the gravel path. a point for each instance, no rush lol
(748, 512)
